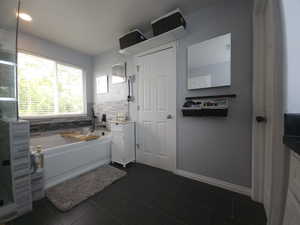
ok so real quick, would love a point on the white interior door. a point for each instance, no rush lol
(269, 154)
(263, 98)
(157, 108)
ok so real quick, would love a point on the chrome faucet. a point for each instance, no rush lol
(94, 118)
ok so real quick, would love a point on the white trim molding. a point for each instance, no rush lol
(215, 182)
(259, 101)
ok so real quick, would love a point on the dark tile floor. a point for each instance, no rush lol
(150, 196)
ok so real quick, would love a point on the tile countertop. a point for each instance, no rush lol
(291, 136)
(56, 124)
(83, 130)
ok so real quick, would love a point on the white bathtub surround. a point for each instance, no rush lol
(38, 184)
(50, 139)
(68, 160)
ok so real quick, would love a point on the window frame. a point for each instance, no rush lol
(54, 116)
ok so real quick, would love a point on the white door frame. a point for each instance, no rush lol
(136, 66)
(269, 160)
(258, 129)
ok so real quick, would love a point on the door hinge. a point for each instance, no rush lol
(138, 68)
(137, 145)
(138, 108)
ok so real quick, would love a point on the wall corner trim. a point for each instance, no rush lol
(215, 182)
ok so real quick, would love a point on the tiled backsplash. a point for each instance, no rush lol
(111, 109)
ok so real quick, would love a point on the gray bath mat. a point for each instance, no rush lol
(71, 192)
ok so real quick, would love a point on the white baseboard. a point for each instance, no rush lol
(215, 182)
(8, 212)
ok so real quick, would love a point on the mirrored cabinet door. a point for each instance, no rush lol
(8, 99)
(209, 63)
(8, 80)
(8, 34)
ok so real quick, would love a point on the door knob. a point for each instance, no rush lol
(261, 119)
(169, 116)
(6, 162)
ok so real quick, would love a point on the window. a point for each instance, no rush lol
(48, 88)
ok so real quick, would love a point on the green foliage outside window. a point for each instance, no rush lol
(47, 88)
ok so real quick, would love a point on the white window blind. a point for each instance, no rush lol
(48, 88)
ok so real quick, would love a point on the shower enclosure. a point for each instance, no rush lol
(8, 95)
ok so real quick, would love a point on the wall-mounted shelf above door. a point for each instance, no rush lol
(154, 42)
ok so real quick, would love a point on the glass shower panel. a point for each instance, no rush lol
(8, 99)
(8, 33)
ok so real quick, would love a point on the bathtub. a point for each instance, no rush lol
(65, 159)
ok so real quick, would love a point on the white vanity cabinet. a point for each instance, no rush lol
(292, 210)
(123, 142)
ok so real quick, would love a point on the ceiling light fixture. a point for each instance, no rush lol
(25, 16)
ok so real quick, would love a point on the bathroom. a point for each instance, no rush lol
(169, 114)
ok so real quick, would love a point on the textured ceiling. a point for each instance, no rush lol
(93, 26)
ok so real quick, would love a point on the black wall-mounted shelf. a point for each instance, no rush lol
(214, 105)
(211, 96)
(204, 112)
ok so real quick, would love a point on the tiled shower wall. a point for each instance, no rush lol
(111, 109)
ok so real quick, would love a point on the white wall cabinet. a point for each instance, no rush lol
(17, 134)
(292, 210)
(123, 143)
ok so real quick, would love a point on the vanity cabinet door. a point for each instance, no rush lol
(117, 152)
(123, 143)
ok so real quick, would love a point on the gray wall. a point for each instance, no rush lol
(102, 66)
(53, 51)
(292, 51)
(219, 147)
(214, 147)
(117, 92)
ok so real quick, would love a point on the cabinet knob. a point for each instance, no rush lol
(169, 117)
